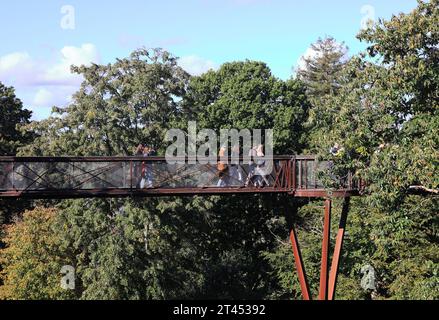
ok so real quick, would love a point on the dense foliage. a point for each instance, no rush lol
(12, 118)
(384, 116)
(33, 258)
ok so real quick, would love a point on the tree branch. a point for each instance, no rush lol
(423, 190)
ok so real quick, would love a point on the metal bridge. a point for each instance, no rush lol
(84, 177)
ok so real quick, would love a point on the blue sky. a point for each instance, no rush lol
(37, 47)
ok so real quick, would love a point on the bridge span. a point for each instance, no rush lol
(86, 177)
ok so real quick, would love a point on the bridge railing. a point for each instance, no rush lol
(308, 172)
(89, 173)
(20, 175)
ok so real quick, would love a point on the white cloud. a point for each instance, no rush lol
(196, 65)
(20, 68)
(43, 97)
(309, 53)
(13, 60)
(59, 73)
(47, 97)
(15, 64)
(46, 83)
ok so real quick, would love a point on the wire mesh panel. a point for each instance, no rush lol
(308, 173)
(179, 175)
(160, 174)
(100, 175)
(6, 175)
(40, 176)
(320, 169)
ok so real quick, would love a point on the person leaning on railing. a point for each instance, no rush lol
(137, 166)
(222, 168)
(147, 176)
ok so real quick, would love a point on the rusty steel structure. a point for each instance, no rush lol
(86, 177)
(76, 177)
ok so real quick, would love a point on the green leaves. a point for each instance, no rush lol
(13, 117)
(32, 261)
(321, 72)
(13, 120)
(385, 116)
(118, 106)
(245, 95)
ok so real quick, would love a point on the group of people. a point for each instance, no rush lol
(228, 174)
(234, 173)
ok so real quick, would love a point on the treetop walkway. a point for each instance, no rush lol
(84, 177)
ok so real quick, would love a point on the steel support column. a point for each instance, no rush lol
(299, 265)
(323, 292)
(337, 249)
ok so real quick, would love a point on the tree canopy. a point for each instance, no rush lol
(384, 116)
(246, 95)
(13, 116)
(118, 106)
